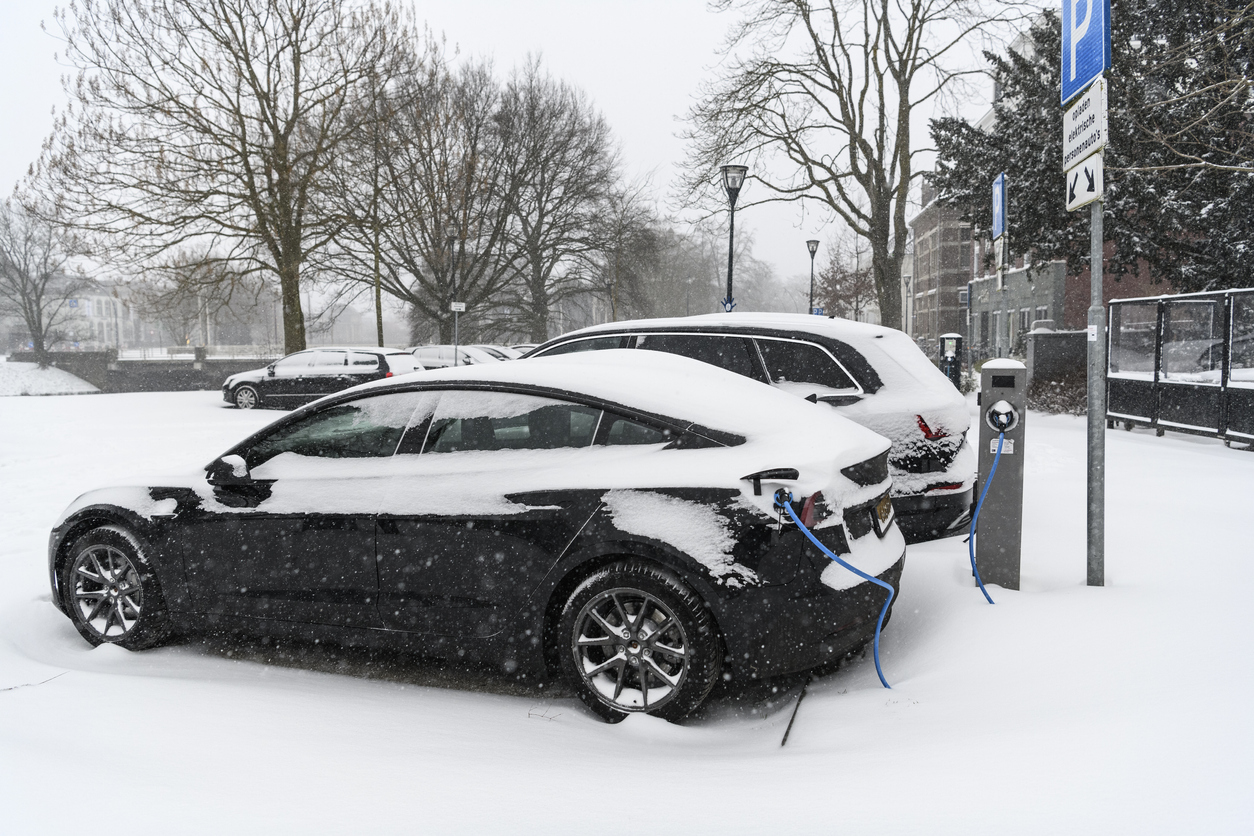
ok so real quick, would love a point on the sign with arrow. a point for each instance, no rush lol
(1084, 183)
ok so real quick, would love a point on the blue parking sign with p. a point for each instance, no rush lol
(1085, 44)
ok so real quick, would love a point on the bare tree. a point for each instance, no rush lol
(844, 285)
(210, 122)
(627, 250)
(191, 292)
(37, 280)
(822, 104)
(565, 168)
(438, 218)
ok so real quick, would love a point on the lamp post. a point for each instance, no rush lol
(733, 179)
(813, 246)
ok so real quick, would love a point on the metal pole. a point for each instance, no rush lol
(811, 310)
(731, 239)
(1097, 406)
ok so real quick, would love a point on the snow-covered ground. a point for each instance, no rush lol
(1062, 709)
(29, 379)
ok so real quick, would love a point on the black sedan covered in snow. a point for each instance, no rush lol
(308, 375)
(605, 517)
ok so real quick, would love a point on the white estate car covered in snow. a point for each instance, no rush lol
(873, 375)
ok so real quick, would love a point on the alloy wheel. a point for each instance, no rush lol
(107, 595)
(630, 650)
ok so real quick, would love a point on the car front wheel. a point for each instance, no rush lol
(246, 397)
(111, 591)
(637, 640)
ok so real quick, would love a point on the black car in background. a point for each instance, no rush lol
(307, 375)
(605, 518)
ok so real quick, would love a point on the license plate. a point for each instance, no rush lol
(883, 515)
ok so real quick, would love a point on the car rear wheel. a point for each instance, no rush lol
(112, 593)
(246, 397)
(637, 640)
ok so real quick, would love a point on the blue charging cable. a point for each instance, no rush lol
(786, 504)
(1001, 439)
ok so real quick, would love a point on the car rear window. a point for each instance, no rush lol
(798, 362)
(731, 353)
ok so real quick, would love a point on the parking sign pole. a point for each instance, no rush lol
(1097, 405)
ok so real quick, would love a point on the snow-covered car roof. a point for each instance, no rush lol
(898, 362)
(664, 384)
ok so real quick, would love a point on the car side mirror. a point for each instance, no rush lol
(228, 470)
(270, 370)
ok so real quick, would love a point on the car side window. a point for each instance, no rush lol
(359, 361)
(467, 420)
(329, 360)
(593, 344)
(731, 353)
(622, 431)
(365, 428)
(797, 362)
(293, 363)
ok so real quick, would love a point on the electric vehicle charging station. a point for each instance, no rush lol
(951, 358)
(999, 532)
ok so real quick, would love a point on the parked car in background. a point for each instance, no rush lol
(441, 356)
(308, 375)
(523, 348)
(875, 376)
(608, 519)
(500, 352)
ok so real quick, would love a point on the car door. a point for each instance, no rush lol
(481, 503)
(328, 373)
(284, 382)
(295, 539)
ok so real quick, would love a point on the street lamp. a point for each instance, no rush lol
(733, 179)
(813, 246)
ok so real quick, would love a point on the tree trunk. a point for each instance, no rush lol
(293, 315)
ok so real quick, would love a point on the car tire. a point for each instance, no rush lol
(246, 397)
(111, 591)
(634, 639)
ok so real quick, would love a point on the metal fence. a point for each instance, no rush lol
(1183, 363)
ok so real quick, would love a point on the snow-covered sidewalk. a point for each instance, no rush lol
(1062, 709)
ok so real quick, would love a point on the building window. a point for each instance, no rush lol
(1042, 312)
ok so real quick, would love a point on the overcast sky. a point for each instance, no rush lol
(641, 62)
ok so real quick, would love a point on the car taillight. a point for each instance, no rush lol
(928, 432)
(814, 510)
(389, 374)
(945, 486)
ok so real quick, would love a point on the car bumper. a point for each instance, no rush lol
(803, 624)
(922, 517)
